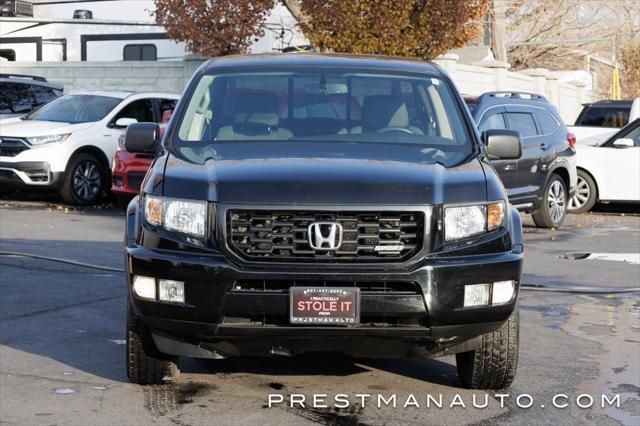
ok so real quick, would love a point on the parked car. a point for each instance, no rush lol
(602, 119)
(380, 232)
(68, 144)
(609, 172)
(542, 180)
(129, 168)
(20, 94)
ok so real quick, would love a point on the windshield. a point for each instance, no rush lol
(325, 107)
(75, 109)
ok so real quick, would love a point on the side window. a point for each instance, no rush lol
(141, 110)
(546, 121)
(635, 135)
(42, 94)
(492, 121)
(522, 122)
(8, 54)
(15, 98)
(5, 100)
(140, 52)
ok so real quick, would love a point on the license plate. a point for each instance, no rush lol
(324, 305)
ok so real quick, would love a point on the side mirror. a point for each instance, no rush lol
(142, 138)
(624, 143)
(125, 121)
(503, 144)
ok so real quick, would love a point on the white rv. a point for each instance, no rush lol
(107, 30)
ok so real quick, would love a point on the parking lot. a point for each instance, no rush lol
(62, 339)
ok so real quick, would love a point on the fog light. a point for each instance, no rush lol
(171, 291)
(476, 295)
(502, 292)
(144, 287)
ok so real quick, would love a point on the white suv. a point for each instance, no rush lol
(69, 143)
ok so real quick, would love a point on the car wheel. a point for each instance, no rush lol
(145, 364)
(586, 194)
(84, 181)
(493, 365)
(553, 210)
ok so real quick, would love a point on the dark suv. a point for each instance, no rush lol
(543, 180)
(322, 203)
(20, 94)
(605, 113)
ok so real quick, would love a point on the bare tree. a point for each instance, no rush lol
(543, 32)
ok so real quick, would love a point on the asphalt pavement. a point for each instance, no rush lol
(62, 341)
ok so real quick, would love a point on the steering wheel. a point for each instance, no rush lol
(395, 129)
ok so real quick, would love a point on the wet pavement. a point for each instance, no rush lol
(62, 351)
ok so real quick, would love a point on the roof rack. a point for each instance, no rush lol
(33, 77)
(513, 95)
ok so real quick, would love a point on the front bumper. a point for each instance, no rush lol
(128, 172)
(218, 317)
(29, 174)
(573, 174)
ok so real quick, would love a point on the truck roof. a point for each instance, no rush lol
(305, 60)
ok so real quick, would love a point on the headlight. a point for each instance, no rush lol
(174, 214)
(121, 143)
(467, 221)
(41, 140)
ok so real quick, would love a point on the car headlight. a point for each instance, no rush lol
(41, 140)
(467, 221)
(120, 146)
(177, 215)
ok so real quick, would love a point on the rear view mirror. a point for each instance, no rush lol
(503, 144)
(623, 143)
(142, 138)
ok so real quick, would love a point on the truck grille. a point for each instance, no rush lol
(387, 236)
(366, 287)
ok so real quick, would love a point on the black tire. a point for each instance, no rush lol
(553, 209)
(586, 193)
(84, 181)
(145, 364)
(494, 364)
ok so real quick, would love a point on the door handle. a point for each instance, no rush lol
(543, 146)
(508, 167)
(108, 135)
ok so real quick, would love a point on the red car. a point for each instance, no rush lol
(129, 168)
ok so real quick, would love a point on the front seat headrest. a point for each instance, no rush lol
(257, 108)
(380, 111)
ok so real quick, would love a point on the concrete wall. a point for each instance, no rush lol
(494, 75)
(138, 76)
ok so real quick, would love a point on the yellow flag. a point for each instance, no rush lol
(615, 87)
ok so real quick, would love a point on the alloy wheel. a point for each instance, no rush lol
(583, 192)
(87, 180)
(556, 201)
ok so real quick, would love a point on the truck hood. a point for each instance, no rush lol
(28, 128)
(323, 174)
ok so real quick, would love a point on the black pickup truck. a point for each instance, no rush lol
(323, 203)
